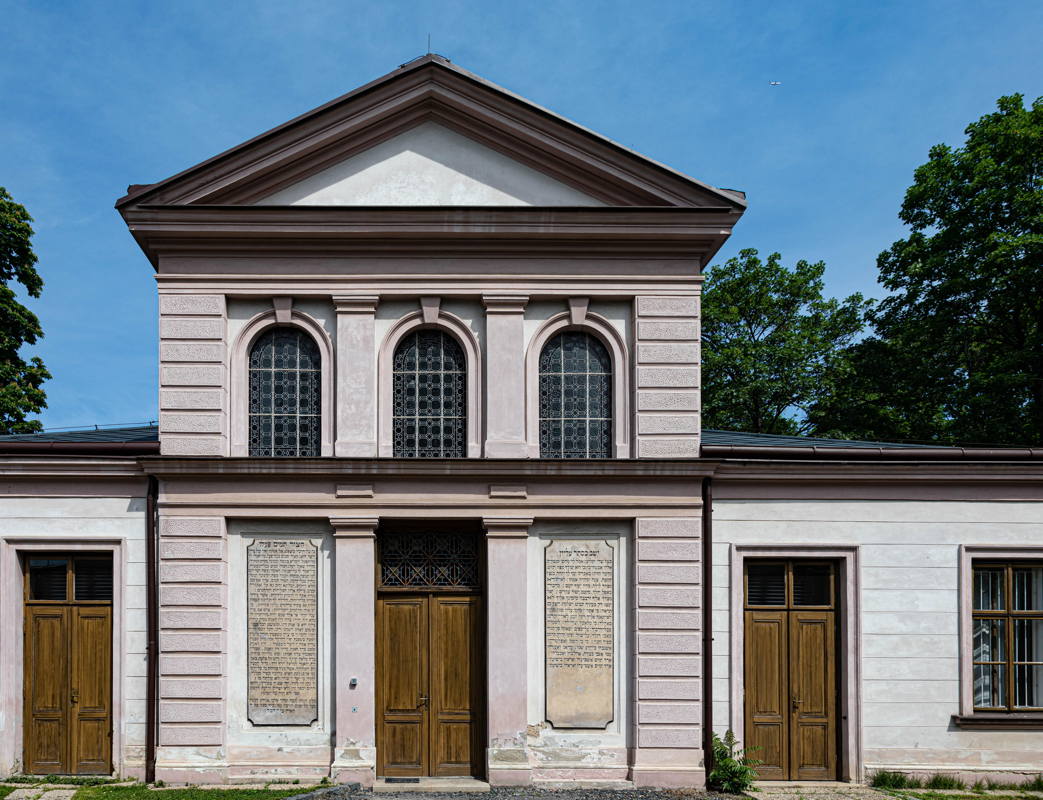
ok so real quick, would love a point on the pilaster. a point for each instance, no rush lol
(507, 681)
(667, 731)
(505, 379)
(355, 745)
(356, 396)
(667, 376)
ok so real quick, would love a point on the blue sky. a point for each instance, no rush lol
(98, 95)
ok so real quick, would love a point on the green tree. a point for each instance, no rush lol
(770, 340)
(20, 380)
(957, 354)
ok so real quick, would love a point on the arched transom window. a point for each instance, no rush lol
(285, 394)
(429, 412)
(575, 397)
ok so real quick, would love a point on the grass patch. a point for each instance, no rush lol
(141, 792)
(6, 790)
(71, 780)
(884, 779)
(941, 781)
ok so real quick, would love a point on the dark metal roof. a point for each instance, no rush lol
(136, 433)
(740, 439)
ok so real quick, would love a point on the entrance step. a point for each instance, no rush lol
(585, 783)
(433, 785)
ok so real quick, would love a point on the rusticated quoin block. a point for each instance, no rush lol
(668, 573)
(676, 527)
(190, 642)
(190, 665)
(205, 572)
(201, 304)
(668, 306)
(191, 526)
(665, 666)
(669, 551)
(668, 643)
(189, 712)
(190, 735)
(674, 689)
(668, 596)
(190, 688)
(190, 595)
(669, 737)
(191, 549)
(193, 328)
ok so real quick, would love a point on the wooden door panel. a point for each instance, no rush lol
(813, 688)
(455, 633)
(46, 687)
(766, 668)
(402, 651)
(91, 689)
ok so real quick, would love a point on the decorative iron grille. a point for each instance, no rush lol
(429, 560)
(285, 394)
(575, 397)
(429, 414)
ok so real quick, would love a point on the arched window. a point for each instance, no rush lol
(285, 394)
(429, 405)
(575, 397)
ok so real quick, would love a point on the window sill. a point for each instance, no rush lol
(992, 721)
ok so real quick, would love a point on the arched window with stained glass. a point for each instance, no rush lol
(285, 394)
(575, 397)
(429, 396)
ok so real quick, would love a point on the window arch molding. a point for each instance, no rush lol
(604, 332)
(239, 369)
(464, 336)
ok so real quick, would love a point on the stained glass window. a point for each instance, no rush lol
(575, 397)
(429, 414)
(285, 394)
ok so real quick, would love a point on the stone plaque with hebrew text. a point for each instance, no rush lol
(282, 631)
(580, 643)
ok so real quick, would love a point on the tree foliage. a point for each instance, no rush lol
(957, 354)
(770, 340)
(20, 380)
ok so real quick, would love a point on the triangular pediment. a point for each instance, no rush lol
(429, 165)
(428, 134)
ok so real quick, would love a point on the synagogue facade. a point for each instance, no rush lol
(429, 496)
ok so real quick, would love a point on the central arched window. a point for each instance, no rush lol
(285, 394)
(429, 412)
(575, 397)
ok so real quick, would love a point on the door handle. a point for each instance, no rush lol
(422, 701)
(796, 703)
(75, 696)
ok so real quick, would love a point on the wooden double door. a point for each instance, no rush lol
(430, 687)
(790, 637)
(67, 677)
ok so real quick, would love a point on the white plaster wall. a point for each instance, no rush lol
(81, 519)
(908, 553)
(430, 165)
(570, 748)
(270, 749)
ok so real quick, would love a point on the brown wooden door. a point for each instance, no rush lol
(429, 684)
(790, 669)
(67, 673)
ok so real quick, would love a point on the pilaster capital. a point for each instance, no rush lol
(507, 527)
(356, 303)
(354, 527)
(505, 303)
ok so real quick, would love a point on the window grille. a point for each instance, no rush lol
(285, 394)
(1007, 637)
(575, 397)
(429, 413)
(424, 559)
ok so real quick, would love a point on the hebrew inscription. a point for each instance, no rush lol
(282, 632)
(580, 612)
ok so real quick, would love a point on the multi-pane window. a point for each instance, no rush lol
(1008, 636)
(285, 394)
(429, 405)
(575, 397)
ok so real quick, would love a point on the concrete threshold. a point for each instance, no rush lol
(432, 785)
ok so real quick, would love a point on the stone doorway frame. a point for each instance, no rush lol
(849, 654)
(11, 619)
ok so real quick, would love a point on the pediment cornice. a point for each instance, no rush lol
(430, 90)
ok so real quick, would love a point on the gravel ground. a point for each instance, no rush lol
(353, 792)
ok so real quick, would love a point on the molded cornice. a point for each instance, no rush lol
(448, 231)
